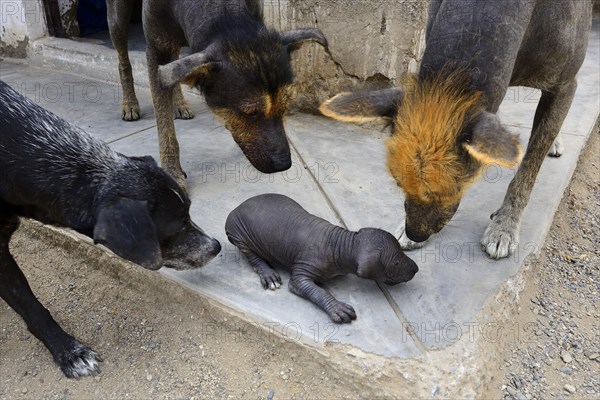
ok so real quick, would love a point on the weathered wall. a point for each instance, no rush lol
(21, 21)
(68, 15)
(371, 43)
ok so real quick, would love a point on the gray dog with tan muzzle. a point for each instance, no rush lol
(272, 230)
(445, 128)
(241, 67)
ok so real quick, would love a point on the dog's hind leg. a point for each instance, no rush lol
(74, 358)
(119, 15)
(502, 235)
(163, 108)
(181, 107)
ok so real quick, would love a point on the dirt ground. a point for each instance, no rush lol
(159, 340)
(558, 354)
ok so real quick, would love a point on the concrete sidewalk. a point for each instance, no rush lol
(338, 173)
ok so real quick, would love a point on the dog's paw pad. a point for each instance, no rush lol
(498, 241)
(78, 360)
(341, 313)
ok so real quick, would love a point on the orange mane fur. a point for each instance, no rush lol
(422, 153)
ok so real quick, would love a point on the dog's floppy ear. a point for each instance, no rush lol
(491, 143)
(188, 70)
(294, 39)
(125, 226)
(363, 106)
(146, 159)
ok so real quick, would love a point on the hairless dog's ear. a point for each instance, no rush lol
(294, 39)
(363, 106)
(125, 226)
(491, 143)
(368, 265)
(189, 70)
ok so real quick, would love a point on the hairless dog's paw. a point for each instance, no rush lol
(557, 149)
(341, 313)
(77, 360)
(270, 279)
(500, 238)
(405, 242)
(130, 112)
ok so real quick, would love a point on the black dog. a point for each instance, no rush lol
(56, 173)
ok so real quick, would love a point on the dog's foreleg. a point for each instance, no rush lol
(269, 278)
(119, 14)
(74, 358)
(163, 108)
(502, 235)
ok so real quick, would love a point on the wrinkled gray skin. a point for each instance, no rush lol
(535, 43)
(274, 230)
(539, 44)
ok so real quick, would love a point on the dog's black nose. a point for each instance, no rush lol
(216, 247)
(415, 236)
(414, 268)
(281, 163)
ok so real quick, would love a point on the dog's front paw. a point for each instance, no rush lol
(501, 238)
(183, 111)
(270, 279)
(557, 149)
(130, 112)
(405, 242)
(76, 359)
(341, 312)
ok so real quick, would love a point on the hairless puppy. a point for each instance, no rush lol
(274, 230)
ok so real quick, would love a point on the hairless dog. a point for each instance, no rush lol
(274, 230)
(445, 127)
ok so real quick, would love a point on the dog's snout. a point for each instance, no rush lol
(416, 236)
(216, 247)
(282, 163)
(413, 267)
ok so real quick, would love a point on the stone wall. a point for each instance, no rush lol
(371, 43)
(21, 21)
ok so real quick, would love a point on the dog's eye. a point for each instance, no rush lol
(250, 113)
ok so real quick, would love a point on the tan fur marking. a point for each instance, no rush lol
(487, 160)
(195, 75)
(422, 153)
(280, 101)
(327, 111)
(267, 104)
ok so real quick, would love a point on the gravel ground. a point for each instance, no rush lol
(558, 356)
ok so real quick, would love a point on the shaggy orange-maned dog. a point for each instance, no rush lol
(445, 127)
